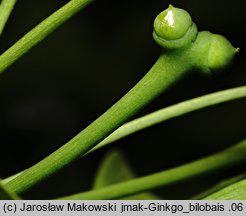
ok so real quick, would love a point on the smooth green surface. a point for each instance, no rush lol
(174, 29)
(173, 23)
(162, 76)
(212, 54)
(6, 194)
(169, 69)
(173, 112)
(114, 169)
(166, 114)
(219, 186)
(222, 160)
(236, 191)
(220, 54)
(6, 8)
(40, 32)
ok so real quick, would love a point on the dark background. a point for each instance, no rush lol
(79, 71)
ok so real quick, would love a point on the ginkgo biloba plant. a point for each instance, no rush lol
(183, 50)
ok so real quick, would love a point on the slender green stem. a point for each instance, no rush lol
(172, 112)
(222, 160)
(167, 70)
(6, 8)
(192, 52)
(40, 32)
(236, 191)
(166, 114)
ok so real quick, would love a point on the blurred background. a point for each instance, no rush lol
(79, 71)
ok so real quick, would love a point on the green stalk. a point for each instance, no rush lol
(166, 114)
(172, 112)
(40, 32)
(222, 160)
(192, 51)
(6, 8)
(159, 78)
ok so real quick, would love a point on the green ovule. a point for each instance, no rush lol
(172, 23)
(211, 53)
(221, 52)
(173, 28)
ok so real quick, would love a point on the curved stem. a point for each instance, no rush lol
(222, 160)
(170, 67)
(165, 114)
(172, 112)
(166, 71)
(6, 8)
(40, 32)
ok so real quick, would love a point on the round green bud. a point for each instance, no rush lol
(221, 52)
(173, 28)
(172, 24)
(211, 52)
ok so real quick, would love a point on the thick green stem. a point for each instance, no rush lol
(40, 32)
(165, 114)
(172, 65)
(222, 160)
(6, 8)
(167, 70)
